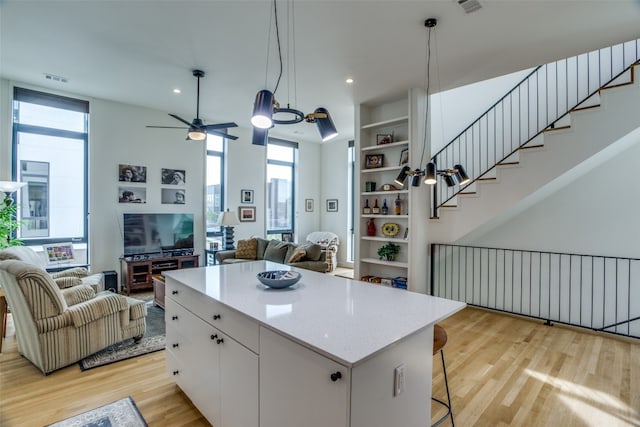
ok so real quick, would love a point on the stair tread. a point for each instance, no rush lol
(551, 129)
(510, 163)
(588, 107)
(528, 147)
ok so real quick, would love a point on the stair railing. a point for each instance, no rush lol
(540, 100)
(596, 292)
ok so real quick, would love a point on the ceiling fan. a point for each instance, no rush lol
(197, 129)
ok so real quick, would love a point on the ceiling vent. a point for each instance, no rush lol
(470, 6)
(55, 78)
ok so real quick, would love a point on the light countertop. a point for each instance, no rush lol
(344, 319)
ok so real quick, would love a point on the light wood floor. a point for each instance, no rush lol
(503, 371)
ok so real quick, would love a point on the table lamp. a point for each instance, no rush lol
(227, 220)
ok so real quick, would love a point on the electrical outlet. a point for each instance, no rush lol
(398, 380)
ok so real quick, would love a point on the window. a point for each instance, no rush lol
(214, 203)
(281, 161)
(50, 138)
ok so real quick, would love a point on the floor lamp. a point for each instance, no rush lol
(227, 220)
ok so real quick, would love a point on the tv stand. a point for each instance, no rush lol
(138, 274)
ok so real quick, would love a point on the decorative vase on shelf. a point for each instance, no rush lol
(371, 227)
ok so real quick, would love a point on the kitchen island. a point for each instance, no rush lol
(327, 352)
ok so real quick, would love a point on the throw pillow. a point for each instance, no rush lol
(247, 249)
(314, 252)
(297, 255)
(262, 246)
(276, 251)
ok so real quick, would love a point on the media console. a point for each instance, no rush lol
(138, 274)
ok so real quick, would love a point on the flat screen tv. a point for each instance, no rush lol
(149, 233)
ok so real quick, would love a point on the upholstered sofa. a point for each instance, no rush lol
(308, 255)
(64, 278)
(57, 327)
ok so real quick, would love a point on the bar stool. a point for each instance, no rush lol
(439, 340)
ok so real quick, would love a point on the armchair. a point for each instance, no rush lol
(329, 242)
(57, 327)
(28, 255)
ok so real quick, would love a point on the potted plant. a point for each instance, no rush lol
(8, 224)
(388, 251)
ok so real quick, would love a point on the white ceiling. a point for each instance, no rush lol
(136, 52)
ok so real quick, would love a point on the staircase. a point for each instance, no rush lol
(558, 134)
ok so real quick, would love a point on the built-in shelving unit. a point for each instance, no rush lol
(400, 121)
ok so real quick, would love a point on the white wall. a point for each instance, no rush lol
(118, 136)
(595, 215)
(452, 111)
(334, 184)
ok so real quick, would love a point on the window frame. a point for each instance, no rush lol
(222, 155)
(293, 165)
(21, 94)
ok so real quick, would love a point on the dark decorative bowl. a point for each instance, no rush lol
(279, 279)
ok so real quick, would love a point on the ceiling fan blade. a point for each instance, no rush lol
(222, 134)
(166, 127)
(181, 119)
(221, 126)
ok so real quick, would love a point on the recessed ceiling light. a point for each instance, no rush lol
(177, 90)
(349, 80)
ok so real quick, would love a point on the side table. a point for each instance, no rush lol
(210, 255)
(158, 290)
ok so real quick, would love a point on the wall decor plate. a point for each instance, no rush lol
(390, 229)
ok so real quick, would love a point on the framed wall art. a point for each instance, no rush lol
(332, 205)
(132, 195)
(246, 196)
(173, 176)
(308, 205)
(173, 196)
(131, 173)
(247, 213)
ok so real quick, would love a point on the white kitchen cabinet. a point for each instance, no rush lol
(322, 354)
(299, 387)
(219, 375)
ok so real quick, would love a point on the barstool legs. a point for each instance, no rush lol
(448, 404)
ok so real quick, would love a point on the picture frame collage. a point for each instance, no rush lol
(172, 191)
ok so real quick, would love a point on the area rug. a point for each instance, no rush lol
(153, 340)
(121, 413)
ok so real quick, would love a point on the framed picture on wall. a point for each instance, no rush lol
(332, 205)
(173, 196)
(247, 213)
(132, 194)
(173, 176)
(308, 205)
(246, 196)
(131, 173)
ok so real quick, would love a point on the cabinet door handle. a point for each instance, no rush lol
(174, 317)
(220, 341)
(213, 337)
(217, 316)
(176, 345)
(174, 292)
(175, 373)
(336, 376)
